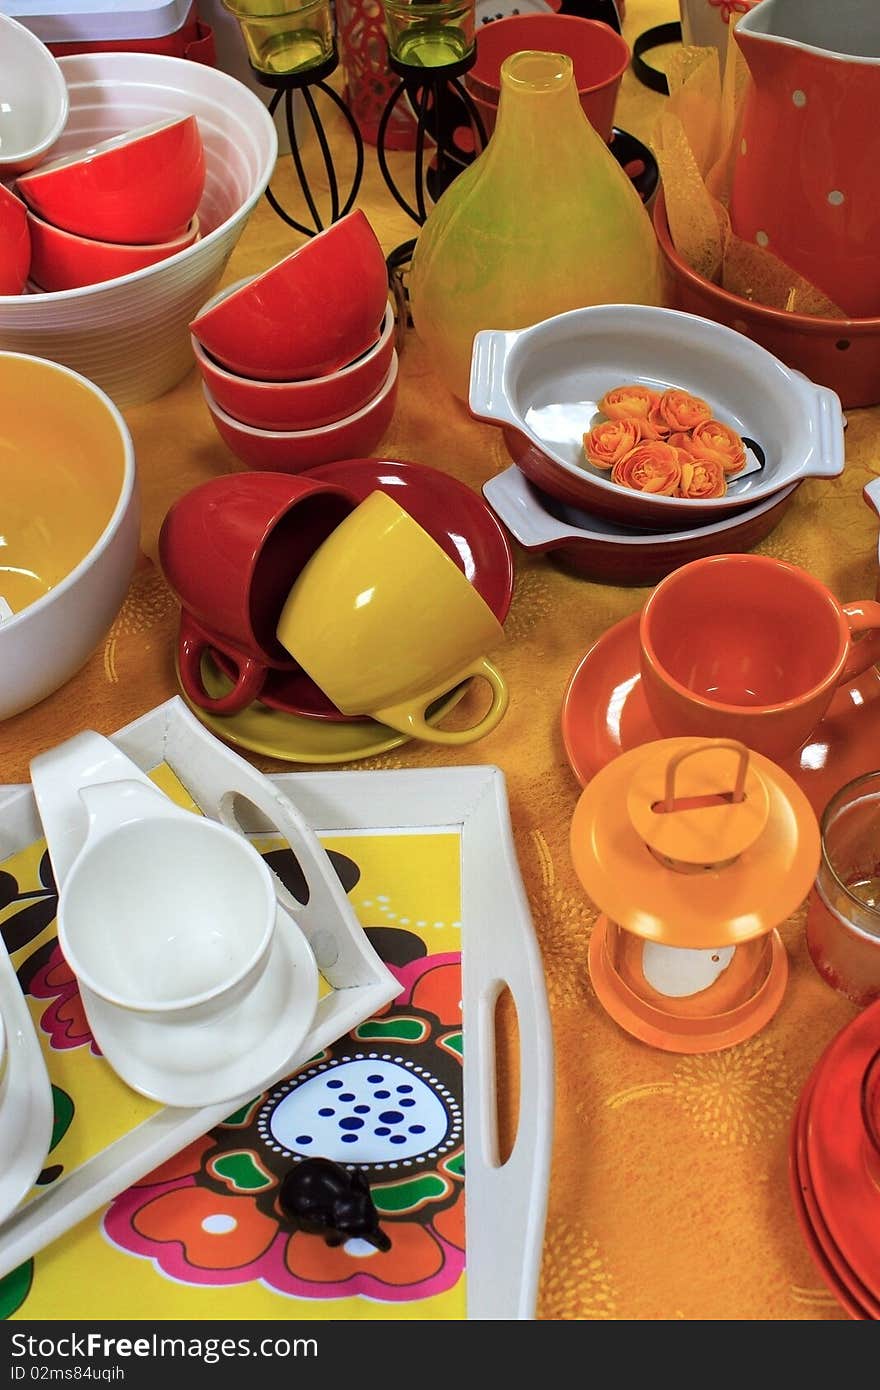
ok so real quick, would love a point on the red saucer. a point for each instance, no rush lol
(809, 1219)
(830, 1255)
(845, 1193)
(461, 523)
(604, 713)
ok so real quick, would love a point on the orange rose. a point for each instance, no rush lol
(679, 440)
(628, 402)
(718, 443)
(651, 467)
(610, 440)
(681, 410)
(701, 478)
(655, 427)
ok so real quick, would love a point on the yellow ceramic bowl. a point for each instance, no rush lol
(69, 524)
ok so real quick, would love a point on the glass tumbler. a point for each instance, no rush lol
(429, 35)
(285, 36)
(843, 919)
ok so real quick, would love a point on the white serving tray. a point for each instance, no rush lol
(98, 21)
(505, 1204)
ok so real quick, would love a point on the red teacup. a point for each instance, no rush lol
(231, 549)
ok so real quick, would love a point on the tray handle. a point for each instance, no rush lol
(504, 1245)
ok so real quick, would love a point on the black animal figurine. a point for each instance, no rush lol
(323, 1198)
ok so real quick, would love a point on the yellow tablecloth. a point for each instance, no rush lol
(669, 1195)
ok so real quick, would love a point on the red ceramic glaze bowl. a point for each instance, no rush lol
(607, 553)
(140, 187)
(843, 354)
(15, 243)
(293, 451)
(299, 405)
(599, 54)
(62, 261)
(310, 314)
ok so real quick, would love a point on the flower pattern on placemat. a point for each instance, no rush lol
(386, 1099)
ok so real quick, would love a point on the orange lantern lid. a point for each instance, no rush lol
(695, 842)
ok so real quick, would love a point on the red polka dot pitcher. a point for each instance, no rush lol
(805, 183)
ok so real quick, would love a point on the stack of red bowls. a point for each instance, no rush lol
(298, 363)
(835, 1165)
(115, 207)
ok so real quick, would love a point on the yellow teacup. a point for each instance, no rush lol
(385, 623)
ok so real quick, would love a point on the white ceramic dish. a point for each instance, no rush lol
(130, 335)
(543, 384)
(45, 643)
(209, 1062)
(34, 102)
(505, 1203)
(26, 1110)
(609, 553)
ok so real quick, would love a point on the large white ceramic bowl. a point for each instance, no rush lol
(542, 384)
(131, 335)
(70, 519)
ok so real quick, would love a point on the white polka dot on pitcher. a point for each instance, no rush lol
(762, 238)
(799, 98)
(835, 197)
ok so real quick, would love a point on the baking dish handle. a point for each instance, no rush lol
(487, 397)
(536, 529)
(871, 494)
(827, 420)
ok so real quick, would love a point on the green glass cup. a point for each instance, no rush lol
(429, 35)
(284, 36)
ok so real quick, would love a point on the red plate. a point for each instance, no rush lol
(806, 1212)
(845, 1193)
(461, 523)
(604, 713)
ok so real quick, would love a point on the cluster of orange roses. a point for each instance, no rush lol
(666, 443)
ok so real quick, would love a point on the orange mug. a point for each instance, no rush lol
(751, 648)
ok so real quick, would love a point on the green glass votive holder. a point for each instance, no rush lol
(283, 36)
(429, 35)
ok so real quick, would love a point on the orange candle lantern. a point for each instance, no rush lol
(694, 851)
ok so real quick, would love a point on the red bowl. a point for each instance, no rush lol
(138, 188)
(300, 405)
(607, 553)
(599, 54)
(15, 243)
(294, 451)
(310, 314)
(62, 261)
(843, 354)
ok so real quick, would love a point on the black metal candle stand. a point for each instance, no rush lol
(311, 81)
(446, 119)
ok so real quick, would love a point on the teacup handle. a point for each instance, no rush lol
(412, 721)
(191, 646)
(862, 617)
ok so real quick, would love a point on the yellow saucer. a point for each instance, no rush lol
(292, 738)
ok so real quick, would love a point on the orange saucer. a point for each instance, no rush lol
(604, 713)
